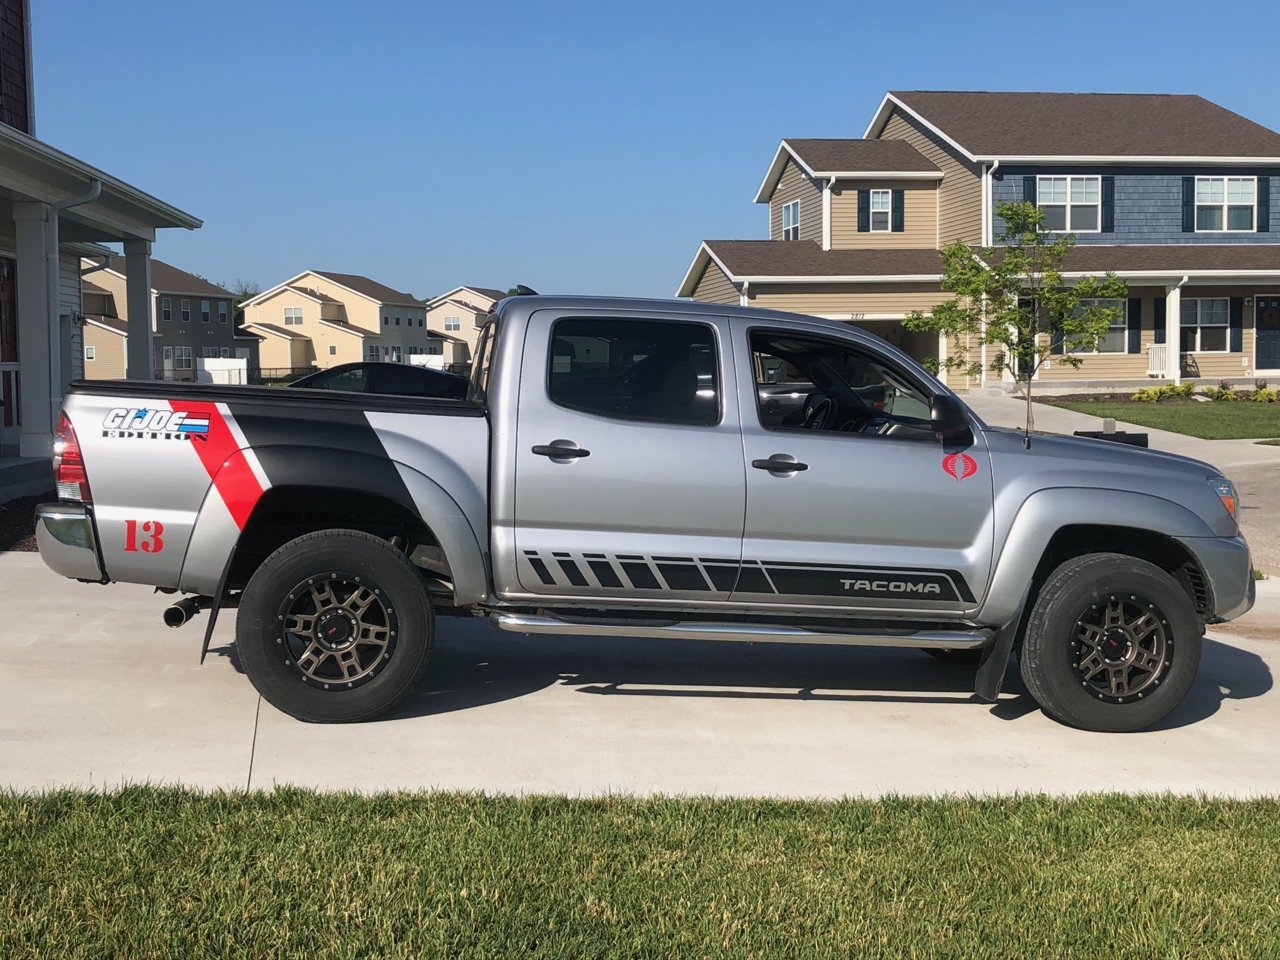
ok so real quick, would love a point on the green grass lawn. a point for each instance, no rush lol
(166, 873)
(1211, 421)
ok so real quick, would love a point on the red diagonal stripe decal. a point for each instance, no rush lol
(223, 460)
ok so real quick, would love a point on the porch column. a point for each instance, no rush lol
(1173, 333)
(35, 317)
(140, 360)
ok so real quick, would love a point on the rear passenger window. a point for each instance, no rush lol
(656, 370)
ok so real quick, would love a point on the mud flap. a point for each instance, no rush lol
(995, 658)
(219, 598)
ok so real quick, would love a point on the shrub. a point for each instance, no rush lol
(1187, 390)
(1221, 393)
(1149, 394)
(1262, 394)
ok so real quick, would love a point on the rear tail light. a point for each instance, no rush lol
(68, 464)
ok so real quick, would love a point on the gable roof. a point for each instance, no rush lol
(114, 324)
(488, 293)
(272, 329)
(370, 288)
(827, 158)
(1121, 126)
(166, 278)
(311, 293)
(87, 286)
(345, 327)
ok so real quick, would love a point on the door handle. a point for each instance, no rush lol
(558, 449)
(780, 463)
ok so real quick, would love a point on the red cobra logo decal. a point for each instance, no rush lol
(959, 465)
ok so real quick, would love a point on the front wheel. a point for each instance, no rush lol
(335, 626)
(1112, 644)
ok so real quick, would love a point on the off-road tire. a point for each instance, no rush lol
(402, 601)
(1055, 660)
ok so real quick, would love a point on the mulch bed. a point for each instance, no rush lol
(18, 524)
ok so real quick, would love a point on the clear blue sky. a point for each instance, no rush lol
(573, 147)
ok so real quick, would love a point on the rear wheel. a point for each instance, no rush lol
(335, 626)
(1112, 644)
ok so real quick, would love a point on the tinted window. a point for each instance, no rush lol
(409, 381)
(352, 381)
(636, 369)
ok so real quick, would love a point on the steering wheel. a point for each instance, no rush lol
(820, 414)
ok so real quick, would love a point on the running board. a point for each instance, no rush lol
(743, 632)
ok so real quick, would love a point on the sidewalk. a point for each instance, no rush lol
(1253, 468)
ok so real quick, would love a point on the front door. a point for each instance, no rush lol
(628, 462)
(852, 501)
(1267, 334)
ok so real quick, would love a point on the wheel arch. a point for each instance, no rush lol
(1056, 525)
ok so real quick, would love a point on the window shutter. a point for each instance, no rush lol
(864, 211)
(1134, 320)
(899, 211)
(1237, 325)
(1108, 204)
(1159, 319)
(1188, 204)
(1264, 205)
(1029, 189)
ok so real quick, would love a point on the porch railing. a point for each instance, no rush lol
(1157, 359)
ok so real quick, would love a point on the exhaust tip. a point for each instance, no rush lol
(176, 614)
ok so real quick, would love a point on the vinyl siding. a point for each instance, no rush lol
(844, 300)
(960, 190)
(794, 185)
(920, 215)
(714, 286)
(109, 347)
(69, 306)
(1148, 203)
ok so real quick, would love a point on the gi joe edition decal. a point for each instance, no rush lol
(127, 423)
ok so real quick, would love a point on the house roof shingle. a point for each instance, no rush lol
(114, 324)
(166, 278)
(313, 293)
(272, 328)
(989, 124)
(371, 288)
(860, 156)
(87, 286)
(806, 260)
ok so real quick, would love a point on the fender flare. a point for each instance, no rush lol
(1045, 512)
(215, 536)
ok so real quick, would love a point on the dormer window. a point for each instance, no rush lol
(1070, 204)
(1226, 204)
(791, 220)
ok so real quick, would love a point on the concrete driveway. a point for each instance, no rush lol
(98, 693)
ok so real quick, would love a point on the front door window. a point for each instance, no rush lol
(1267, 338)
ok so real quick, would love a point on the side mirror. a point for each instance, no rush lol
(948, 417)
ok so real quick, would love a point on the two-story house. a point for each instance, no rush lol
(191, 319)
(1172, 193)
(319, 319)
(458, 316)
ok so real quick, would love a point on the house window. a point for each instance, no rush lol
(373, 352)
(1204, 325)
(393, 353)
(1226, 204)
(225, 353)
(790, 221)
(1116, 339)
(182, 357)
(881, 207)
(166, 309)
(292, 316)
(434, 350)
(222, 311)
(210, 353)
(397, 321)
(205, 315)
(420, 321)
(1070, 204)
(386, 321)
(90, 353)
(452, 323)
(186, 310)
(333, 350)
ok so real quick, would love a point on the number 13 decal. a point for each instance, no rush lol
(150, 541)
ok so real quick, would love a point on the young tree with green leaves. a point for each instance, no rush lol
(1012, 300)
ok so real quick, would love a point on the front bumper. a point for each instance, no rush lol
(64, 534)
(1229, 570)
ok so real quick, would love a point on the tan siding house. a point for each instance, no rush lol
(795, 187)
(960, 190)
(920, 220)
(714, 286)
(456, 318)
(104, 349)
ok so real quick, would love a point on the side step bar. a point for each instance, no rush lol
(743, 632)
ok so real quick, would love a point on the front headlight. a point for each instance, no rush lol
(1226, 492)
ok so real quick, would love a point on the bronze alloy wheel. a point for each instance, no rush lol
(1121, 648)
(338, 630)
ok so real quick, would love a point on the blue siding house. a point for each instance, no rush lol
(1177, 195)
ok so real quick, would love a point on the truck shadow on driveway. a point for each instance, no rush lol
(474, 665)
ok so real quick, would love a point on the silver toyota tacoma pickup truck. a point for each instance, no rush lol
(651, 469)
